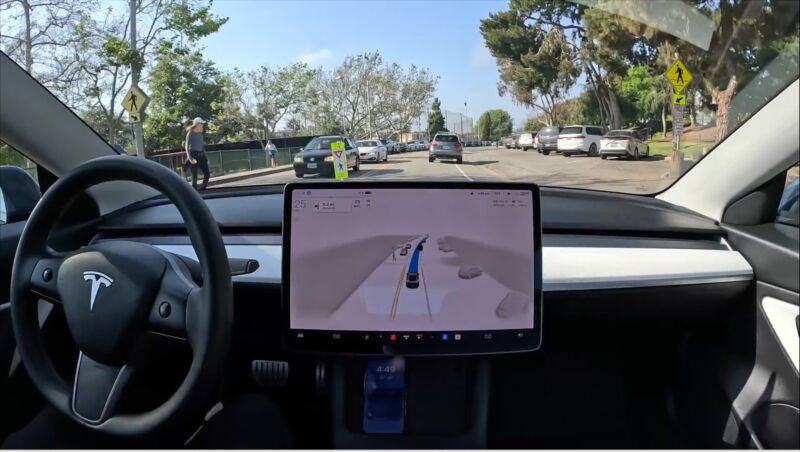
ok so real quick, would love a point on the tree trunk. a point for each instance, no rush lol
(615, 117)
(663, 121)
(596, 90)
(723, 99)
(26, 7)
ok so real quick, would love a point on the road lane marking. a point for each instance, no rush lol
(463, 173)
(425, 285)
(393, 313)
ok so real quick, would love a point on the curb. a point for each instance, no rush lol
(250, 174)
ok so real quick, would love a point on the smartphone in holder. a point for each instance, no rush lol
(384, 395)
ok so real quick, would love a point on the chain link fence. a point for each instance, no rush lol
(228, 161)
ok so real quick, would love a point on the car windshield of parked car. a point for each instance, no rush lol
(321, 143)
(248, 76)
(619, 134)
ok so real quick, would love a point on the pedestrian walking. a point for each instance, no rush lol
(273, 154)
(196, 151)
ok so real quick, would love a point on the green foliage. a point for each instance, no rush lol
(435, 119)
(187, 18)
(182, 86)
(536, 62)
(494, 124)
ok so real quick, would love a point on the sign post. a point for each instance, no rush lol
(679, 77)
(134, 103)
(339, 160)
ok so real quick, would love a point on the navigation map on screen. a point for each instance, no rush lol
(411, 260)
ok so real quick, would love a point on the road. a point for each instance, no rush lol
(647, 175)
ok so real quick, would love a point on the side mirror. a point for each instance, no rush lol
(19, 194)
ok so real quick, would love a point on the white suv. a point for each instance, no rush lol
(580, 140)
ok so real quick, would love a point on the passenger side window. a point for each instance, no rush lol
(788, 210)
(594, 131)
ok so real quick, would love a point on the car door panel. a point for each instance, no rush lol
(764, 391)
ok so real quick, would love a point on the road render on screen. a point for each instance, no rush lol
(493, 295)
(444, 300)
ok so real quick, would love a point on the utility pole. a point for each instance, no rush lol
(461, 120)
(466, 113)
(369, 98)
(138, 131)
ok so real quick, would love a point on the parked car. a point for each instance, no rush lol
(391, 146)
(446, 145)
(424, 145)
(580, 140)
(623, 143)
(546, 141)
(509, 141)
(316, 157)
(525, 141)
(372, 151)
(412, 146)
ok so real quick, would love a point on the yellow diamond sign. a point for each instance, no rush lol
(135, 102)
(679, 99)
(679, 76)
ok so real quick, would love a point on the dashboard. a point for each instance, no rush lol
(627, 258)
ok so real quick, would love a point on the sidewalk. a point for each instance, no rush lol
(234, 177)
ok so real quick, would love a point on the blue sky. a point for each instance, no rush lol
(441, 35)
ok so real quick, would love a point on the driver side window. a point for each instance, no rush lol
(19, 191)
(789, 206)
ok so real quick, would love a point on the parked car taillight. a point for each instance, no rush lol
(536, 139)
(457, 144)
(580, 137)
(434, 144)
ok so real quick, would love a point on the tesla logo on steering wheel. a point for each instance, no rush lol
(98, 279)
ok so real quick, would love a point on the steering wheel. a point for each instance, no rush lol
(116, 295)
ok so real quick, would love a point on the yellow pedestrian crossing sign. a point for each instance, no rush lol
(135, 102)
(679, 76)
(679, 99)
(339, 159)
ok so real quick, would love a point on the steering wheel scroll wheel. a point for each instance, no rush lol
(115, 295)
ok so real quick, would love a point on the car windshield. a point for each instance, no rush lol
(321, 143)
(683, 74)
(619, 134)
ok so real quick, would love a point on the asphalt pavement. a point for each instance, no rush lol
(647, 175)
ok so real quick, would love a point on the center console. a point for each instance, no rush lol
(406, 285)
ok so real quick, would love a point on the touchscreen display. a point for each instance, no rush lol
(398, 264)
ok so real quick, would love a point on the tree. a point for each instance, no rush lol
(650, 94)
(34, 32)
(269, 96)
(109, 63)
(364, 96)
(182, 85)
(747, 35)
(494, 124)
(435, 118)
(536, 64)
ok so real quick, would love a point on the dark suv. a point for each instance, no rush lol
(547, 139)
